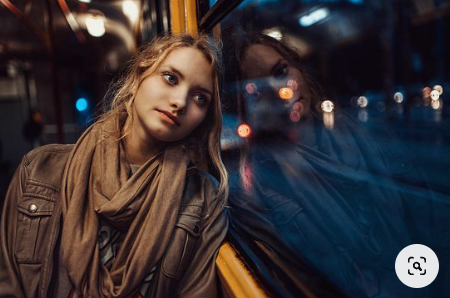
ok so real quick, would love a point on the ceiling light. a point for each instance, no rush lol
(274, 33)
(95, 23)
(314, 17)
(130, 9)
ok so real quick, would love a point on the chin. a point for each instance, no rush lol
(167, 137)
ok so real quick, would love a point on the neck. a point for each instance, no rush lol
(140, 147)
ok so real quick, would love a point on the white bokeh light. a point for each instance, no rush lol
(398, 97)
(130, 9)
(95, 24)
(362, 102)
(436, 104)
(435, 95)
(439, 89)
(327, 106)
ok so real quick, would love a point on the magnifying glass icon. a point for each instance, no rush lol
(418, 266)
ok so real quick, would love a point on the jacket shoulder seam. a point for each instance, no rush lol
(52, 148)
(32, 181)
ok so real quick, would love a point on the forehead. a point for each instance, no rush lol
(259, 60)
(187, 57)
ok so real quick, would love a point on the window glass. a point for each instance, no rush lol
(336, 135)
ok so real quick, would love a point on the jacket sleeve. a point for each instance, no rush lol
(10, 283)
(200, 278)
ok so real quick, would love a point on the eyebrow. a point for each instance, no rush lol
(205, 90)
(180, 74)
(175, 71)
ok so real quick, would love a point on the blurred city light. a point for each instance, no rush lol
(244, 130)
(362, 102)
(273, 32)
(251, 88)
(294, 116)
(298, 106)
(95, 23)
(130, 9)
(398, 97)
(327, 106)
(436, 104)
(426, 92)
(439, 89)
(435, 95)
(293, 84)
(328, 120)
(286, 93)
(314, 17)
(81, 104)
(363, 115)
(85, 1)
(246, 174)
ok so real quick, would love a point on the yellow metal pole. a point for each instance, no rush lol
(236, 279)
(191, 17)
(178, 17)
(217, 31)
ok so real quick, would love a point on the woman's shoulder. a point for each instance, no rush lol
(47, 154)
(195, 172)
(50, 148)
(46, 163)
(201, 188)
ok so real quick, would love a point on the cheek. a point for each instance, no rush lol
(302, 87)
(192, 120)
(150, 92)
(197, 117)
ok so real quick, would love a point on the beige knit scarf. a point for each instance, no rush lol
(96, 183)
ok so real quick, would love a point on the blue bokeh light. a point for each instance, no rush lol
(82, 104)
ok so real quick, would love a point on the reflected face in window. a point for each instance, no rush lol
(274, 88)
(174, 100)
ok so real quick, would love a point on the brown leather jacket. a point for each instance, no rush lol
(31, 222)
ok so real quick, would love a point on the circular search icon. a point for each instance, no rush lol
(417, 266)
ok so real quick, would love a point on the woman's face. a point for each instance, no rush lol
(276, 91)
(174, 100)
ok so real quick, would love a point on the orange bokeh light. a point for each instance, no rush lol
(286, 93)
(244, 130)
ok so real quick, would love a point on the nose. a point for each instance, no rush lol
(178, 102)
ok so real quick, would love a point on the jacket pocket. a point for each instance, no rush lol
(181, 246)
(33, 226)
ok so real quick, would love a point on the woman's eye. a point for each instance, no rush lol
(170, 78)
(281, 71)
(200, 99)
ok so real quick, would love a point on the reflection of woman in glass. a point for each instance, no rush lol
(314, 187)
(126, 211)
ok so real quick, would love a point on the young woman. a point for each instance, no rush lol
(129, 210)
(325, 195)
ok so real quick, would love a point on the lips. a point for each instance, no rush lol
(170, 116)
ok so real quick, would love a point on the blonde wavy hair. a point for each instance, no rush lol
(145, 63)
